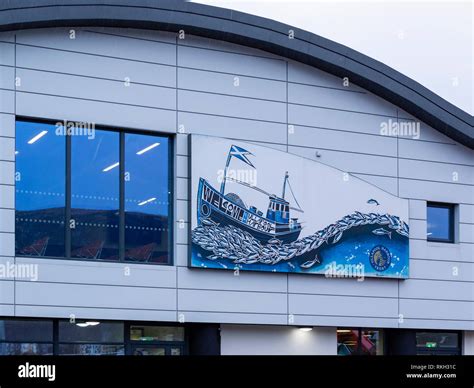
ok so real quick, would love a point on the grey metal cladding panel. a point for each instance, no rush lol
(437, 289)
(181, 141)
(389, 184)
(418, 229)
(426, 133)
(226, 280)
(7, 197)
(231, 106)
(336, 119)
(221, 45)
(87, 295)
(231, 63)
(231, 317)
(437, 309)
(182, 188)
(350, 162)
(95, 313)
(7, 292)
(339, 99)
(435, 152)
(342, 141)
(231, 301)
(341, 321)
(7, 242)
(304, 74)
(305, 304)
(320, 285)
(7, 53)
(420, 249)
(125, 274)
(231, 84)
(7, 148)
(466, 233)
(441, 270)
(95, 66)
(235, 128)
(96, 89)
(436, 324)
(7, 125)
(7, 77)
(7, 101)
(182, 208)
(7, 173)
(181, 255)
(100, 44)
(7, 219)
(466, 214)
(436, 191)
(128, 116)
(154, 35)
(417, 209)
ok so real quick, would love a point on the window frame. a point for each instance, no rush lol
(451, 230)
(68, 190)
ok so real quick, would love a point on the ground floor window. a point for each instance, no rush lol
(368, 342)
(438, 343)
(90, 337)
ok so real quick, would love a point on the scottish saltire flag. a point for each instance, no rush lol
(241, 154)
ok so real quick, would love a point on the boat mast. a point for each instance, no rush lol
(229, 156)
(284, 184)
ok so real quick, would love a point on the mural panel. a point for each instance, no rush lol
(257, 208)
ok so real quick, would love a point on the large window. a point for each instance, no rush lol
(440, 222)
(26, 337)
(100, 195)
(95, 203)
(90, 338)
(438, 343)
(40, 190)
(368, 342)
(146, 199)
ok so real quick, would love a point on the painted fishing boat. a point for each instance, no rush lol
(276, 226)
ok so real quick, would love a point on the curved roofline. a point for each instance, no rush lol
(248, 30)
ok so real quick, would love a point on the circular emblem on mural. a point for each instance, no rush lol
(380, 258)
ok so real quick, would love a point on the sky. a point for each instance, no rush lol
(431, 42)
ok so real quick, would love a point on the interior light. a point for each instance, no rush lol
(17, 152)
(92, 323)
(146, 201)
(150, 147)
(344, 331)
(305, 328)
(82, 324)
(110, 167)
(37, 137)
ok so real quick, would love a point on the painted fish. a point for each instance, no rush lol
(274, 241)
(310, 263)
(372, 201)
(382, 232)
(337, 238)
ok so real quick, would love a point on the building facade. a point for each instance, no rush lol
(98, 105)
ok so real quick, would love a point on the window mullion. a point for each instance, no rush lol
(122, 198)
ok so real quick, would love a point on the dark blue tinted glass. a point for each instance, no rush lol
(439, 223)
(40, 190)
(95, 196)
(147, 197)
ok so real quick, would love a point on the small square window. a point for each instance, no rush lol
(440, 222)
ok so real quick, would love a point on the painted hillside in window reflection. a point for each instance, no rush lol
(94, 235)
